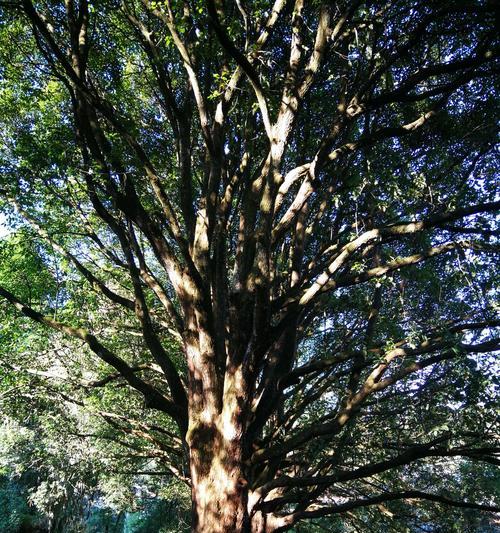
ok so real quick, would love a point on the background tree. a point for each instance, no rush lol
(272, 229)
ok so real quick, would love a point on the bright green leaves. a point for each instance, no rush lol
(24, 271)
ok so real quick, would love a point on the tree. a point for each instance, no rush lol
(275, 225)
(57, 483)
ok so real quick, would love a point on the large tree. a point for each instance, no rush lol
(274, 223)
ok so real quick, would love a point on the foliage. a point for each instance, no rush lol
(249, 259)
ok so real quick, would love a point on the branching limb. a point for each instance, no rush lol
(152, 397)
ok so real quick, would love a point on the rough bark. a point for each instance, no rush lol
(255, 242)
(219, 489)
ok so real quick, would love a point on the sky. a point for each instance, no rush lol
(4, 230)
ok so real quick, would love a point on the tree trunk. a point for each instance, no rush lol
(219, 490)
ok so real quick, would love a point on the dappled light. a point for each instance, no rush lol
(248, 266)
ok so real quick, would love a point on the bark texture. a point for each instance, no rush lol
(238, 199)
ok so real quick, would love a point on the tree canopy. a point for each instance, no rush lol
(251, 247)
